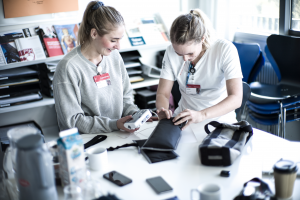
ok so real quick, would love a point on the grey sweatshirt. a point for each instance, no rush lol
(80, 103)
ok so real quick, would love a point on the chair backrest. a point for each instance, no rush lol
(246, 95)
(251, 60)
(176, 94)
(273, 63)
(285, 51)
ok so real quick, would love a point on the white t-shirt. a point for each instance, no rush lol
(219, 63)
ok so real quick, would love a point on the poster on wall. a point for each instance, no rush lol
(15, 8)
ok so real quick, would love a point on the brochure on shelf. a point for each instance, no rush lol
(151, 32)
(2, 57)
(7, 42)
(30, 48)
(29, 32)
(50, 39)
(133, 31)
(67, 35)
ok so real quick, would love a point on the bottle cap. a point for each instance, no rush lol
(285, 166)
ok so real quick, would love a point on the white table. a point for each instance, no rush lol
(187, 172)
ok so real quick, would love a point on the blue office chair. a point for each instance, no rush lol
(251, 60)
(282, 52)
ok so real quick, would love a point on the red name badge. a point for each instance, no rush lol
(193, 86)
(192, 89)
(102, 80)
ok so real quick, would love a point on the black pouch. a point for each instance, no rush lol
(165, 136)
(160, 144)
(151, 156)
(154, 156)
(224, 144)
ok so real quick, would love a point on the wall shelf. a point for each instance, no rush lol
(22, 64)
(145, 83)
(55, 58)
(50, 101)
(44, 102)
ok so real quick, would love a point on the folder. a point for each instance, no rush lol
(10, 101)
(133, 65)
(17, 72)
(21, 90)
(16, 82)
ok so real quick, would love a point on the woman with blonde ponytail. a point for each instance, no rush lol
(207, 70)
(92, 90)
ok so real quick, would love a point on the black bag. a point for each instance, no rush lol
(223, 145)
(165, 136)
(151, 156)
(261, 191)
(155, 156)
(160, 144)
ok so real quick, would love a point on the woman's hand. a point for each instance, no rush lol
(120, 124)
(164, 113)
(191, 116)
(151, 119)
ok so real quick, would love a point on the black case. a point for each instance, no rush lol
(165, 136)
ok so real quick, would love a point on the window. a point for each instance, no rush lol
(295, 20)
(257, 16)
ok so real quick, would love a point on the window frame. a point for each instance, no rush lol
(285, 19)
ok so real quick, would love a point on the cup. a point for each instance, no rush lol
(206, 192)
(72, 192)
(97, 158)
(285, 172)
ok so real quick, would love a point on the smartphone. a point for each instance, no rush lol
(117, 178)
(159, 185)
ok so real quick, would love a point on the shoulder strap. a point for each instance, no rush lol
(213, 123)
(95, 140)
(246, 128)
(122, 146)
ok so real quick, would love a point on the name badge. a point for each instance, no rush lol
(102, 80)
(192, 89)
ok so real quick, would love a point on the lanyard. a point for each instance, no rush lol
(191, 70)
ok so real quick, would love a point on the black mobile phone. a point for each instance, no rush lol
(159, 185)
(117, 178)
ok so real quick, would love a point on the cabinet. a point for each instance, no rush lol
(43, 111)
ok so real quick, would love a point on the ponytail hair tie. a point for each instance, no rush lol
(195, 14)
(97, 5)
